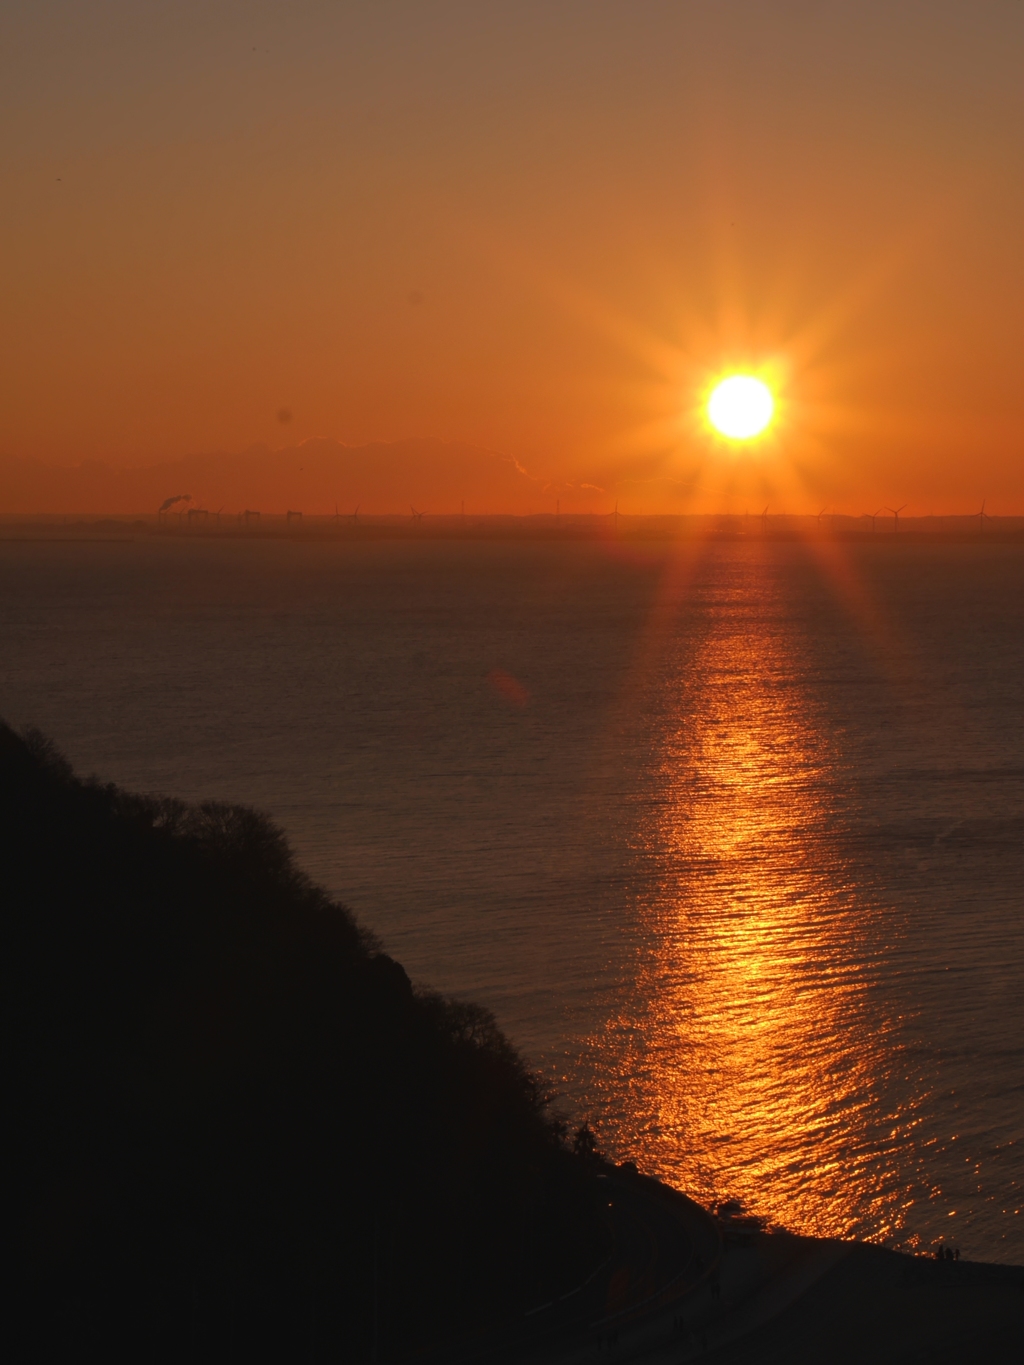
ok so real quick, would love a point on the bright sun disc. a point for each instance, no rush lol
(740, 407)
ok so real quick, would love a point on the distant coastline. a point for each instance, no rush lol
(544, 526)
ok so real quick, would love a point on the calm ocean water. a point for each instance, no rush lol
(730, 837)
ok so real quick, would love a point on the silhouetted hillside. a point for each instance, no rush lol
(238, 1131)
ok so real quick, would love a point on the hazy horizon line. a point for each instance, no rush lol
(361, 514)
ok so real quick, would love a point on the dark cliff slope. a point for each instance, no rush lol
(238, 1131)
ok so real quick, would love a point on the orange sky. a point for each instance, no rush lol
(538, 229)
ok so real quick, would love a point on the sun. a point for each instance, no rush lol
(740, 407)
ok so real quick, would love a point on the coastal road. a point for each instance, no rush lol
(670, 1292)
(664, 1247)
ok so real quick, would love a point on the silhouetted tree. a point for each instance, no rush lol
(584, 1144)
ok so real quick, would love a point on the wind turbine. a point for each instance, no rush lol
(416, 516)
(764, 520)
(874, 514)
(355, 515)
(896, 514)
(981, 516)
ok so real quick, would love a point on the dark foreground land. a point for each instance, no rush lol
(239, 1133)
(868, 1304)
(680, 1287)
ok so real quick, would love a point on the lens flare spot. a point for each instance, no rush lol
(740, 407)
(508, 687)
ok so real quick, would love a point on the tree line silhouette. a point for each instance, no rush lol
(239, 1132)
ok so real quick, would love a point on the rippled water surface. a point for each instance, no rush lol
(730, 837)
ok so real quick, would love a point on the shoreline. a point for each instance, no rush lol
(704, 1288)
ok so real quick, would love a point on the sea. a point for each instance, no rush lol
(729, 835)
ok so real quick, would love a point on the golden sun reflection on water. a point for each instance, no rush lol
(750, 1039)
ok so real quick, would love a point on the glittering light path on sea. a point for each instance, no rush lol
(733, 1041)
